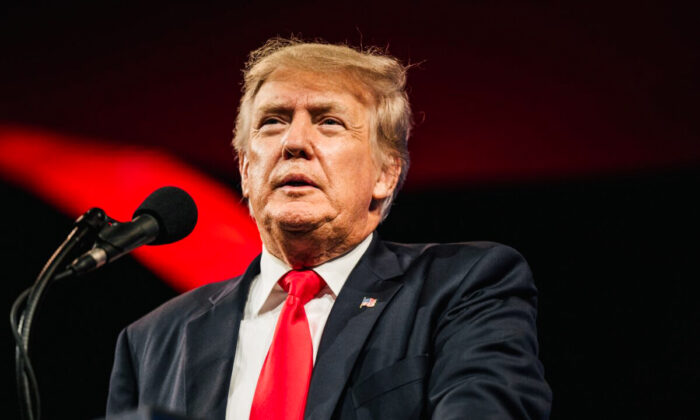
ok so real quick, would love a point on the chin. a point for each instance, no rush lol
(297, 221)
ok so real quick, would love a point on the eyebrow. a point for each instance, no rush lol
(314, 108)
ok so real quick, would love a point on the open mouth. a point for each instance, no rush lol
(297, 181)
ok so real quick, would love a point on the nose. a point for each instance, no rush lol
(297, 143)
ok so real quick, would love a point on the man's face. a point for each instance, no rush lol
(309, 164)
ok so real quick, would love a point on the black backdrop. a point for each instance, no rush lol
(612, 242)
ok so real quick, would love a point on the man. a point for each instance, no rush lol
(331, 322)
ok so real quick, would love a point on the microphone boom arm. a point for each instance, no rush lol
(85, 229)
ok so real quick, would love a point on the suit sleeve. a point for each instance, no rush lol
(485, 363)
(123, 388)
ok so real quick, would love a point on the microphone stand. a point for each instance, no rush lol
(83, 234)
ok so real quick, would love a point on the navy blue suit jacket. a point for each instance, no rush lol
(451, 336)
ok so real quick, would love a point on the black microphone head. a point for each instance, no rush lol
(174, 210)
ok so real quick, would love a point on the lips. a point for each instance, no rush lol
(296, 180)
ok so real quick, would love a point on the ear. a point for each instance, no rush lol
(387, 180)
(243, 169)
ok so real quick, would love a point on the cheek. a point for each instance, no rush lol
(255, 180)
(259, 160)
(358, 172)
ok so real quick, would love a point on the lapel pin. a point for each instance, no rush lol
(368, 302)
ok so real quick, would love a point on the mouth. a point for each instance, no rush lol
(296, 181)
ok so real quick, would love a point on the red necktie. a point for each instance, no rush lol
(284, 379)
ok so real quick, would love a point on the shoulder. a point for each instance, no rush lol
(460, 269)
(459, 255)
(172, 315)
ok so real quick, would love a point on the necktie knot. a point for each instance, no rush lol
(303, 284)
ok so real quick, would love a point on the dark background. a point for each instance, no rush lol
(568, 132)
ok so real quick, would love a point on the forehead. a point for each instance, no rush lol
(292, 87)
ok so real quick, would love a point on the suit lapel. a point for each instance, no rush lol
(210, 346)
(349, 325)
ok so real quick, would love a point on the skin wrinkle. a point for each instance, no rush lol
(313, 125)
(348, 82)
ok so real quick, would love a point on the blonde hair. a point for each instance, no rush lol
(381, 74)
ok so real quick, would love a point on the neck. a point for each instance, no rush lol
(310, 249)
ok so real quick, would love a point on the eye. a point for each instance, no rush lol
(270, 121)
(331, 121)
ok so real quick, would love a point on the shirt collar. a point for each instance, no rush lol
(334, 272)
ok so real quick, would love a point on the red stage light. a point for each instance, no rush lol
(76, 174)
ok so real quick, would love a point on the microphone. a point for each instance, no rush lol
(167, 215)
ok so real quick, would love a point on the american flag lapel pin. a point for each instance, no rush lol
(368, 302)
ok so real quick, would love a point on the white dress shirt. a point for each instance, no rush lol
(260, 314)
